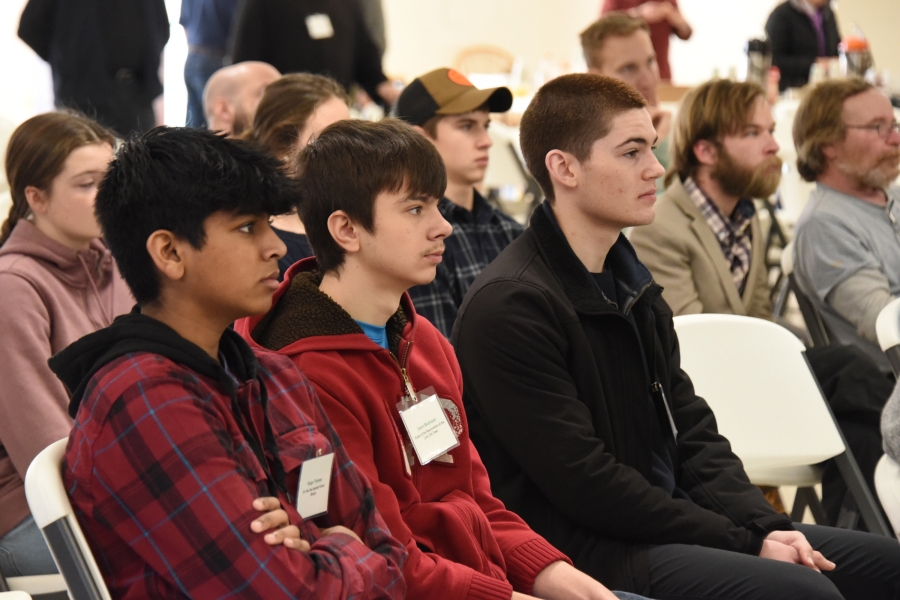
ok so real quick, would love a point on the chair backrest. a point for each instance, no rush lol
(887, 328)
(887, 486)
(811, 315)
(755, 377)
(53, 514)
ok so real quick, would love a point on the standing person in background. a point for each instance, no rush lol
(620, 46)
(58, 282)
(104, 54)
(207, 24)
(313, 36)
(663, 17)
(294, 109)
(233, 93)
(802, 32)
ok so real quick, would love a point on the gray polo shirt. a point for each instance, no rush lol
(837, 236)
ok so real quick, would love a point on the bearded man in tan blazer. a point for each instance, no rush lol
(705, 246)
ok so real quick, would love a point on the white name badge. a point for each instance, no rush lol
(429, 431)
(315, 479)
(319, 26)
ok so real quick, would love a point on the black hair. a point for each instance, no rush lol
(349, 164)
(173, 178)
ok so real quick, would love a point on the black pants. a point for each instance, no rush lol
(868, 568)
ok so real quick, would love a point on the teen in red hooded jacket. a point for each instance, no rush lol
(369, 204)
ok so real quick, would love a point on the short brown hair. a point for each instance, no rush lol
(570, 113)
(820, 122)
(349, 164)
(286, 105)
(710, 111)
(614, 24)
(37, 151)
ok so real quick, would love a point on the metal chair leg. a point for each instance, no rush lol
(865, 501)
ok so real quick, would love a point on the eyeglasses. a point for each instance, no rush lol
(882, 129)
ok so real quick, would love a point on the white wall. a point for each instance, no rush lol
(425, 34)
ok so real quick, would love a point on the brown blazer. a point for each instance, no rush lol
(684, 256)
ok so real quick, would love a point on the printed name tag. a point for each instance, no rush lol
(315, 479)
(319, 26)
(429, 431)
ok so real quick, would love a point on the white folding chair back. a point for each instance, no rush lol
(887, 328)
(14, 595)
(53, 514)
(766, 401)
(755, 377)
(887, 485)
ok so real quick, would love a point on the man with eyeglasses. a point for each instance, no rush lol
(847, 244)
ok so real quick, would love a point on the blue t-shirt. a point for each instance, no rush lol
(375, 333)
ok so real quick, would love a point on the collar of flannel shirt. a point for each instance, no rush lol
(733, 233)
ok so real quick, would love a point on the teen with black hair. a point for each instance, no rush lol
(370, 204)
(179, 426)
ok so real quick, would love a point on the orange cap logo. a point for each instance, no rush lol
(458, 78)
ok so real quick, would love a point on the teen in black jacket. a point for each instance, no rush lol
(579, 408)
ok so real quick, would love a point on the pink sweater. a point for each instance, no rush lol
(50, 295)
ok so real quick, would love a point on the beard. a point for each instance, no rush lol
(880, 175)
(747, 182)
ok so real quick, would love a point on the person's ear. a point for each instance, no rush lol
(224, 111)
(563, 168)
(829, 152)
(167, 252)
(38, 199)
(706, 152)
(344, 231)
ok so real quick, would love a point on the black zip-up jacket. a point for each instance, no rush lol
(74, 36)
(556, 386)
(794, 42)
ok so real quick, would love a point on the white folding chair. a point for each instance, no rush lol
(887, 328)
(756, 379)
(14, 595)
(887, 486)
(53, 514)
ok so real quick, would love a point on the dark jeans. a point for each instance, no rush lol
(23, 551)
(198, 68)
(868, 568)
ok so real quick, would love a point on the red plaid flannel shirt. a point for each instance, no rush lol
(162, 482)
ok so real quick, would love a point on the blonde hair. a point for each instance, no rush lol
(286, 106)
(820, 122)
(614, 24)
(710, 111)
(37, 151)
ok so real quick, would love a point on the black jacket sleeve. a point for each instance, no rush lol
(367, 70)
(36, 25)
(514, 354)
(248, 32)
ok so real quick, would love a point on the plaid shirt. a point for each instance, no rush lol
(732, 232)
(162, 481)
(479, 236)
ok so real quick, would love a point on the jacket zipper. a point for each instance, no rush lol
(408, 388)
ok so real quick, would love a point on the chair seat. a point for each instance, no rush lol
(801, 476)
(37, 584)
